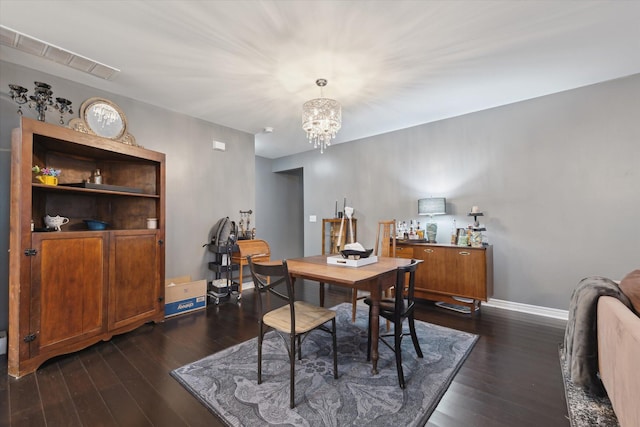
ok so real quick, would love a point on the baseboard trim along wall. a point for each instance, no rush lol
(527, 308)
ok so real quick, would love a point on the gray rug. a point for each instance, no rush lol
(226, 382)
(585, 409)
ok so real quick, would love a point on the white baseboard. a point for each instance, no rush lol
(527, 308)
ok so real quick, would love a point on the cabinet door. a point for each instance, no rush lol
(433, 274)
(68, 289)
(134, 278)
(470, 274)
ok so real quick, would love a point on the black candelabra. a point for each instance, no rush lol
(41, 100)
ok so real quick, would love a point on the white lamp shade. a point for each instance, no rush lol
(432, 206)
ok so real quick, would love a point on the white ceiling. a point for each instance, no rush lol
(391, 64)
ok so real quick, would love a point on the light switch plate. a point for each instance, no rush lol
(312, 218)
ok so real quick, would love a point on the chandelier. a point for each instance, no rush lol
(41, 100)
(321, 119)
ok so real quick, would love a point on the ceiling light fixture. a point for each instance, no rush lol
(321, 119)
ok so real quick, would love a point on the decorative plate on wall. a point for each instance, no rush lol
(103, 118)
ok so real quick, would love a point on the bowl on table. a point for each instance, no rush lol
(354, 254)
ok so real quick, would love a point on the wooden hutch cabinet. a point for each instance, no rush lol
(455, 274)
(331, 233)
(72, 288)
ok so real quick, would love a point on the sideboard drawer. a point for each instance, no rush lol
(404, 252)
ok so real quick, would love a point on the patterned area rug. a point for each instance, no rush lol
(585, 409)
(226, 382)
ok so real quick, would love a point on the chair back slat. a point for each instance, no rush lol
(386, 240)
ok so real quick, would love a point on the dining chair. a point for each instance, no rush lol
(396, 310)
(294, 319)
(385, 246)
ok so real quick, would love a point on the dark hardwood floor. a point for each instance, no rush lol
(511, 378)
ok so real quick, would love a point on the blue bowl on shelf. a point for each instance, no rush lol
(94, 224)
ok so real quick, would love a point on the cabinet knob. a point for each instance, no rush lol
(465, 253)
(161, 242)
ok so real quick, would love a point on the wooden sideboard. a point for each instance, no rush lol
(454, 274)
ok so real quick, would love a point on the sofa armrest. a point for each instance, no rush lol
(618, 358)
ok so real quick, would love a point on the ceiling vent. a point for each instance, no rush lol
(33, 46)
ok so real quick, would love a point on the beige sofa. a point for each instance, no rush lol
(619, 356)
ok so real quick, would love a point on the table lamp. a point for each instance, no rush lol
(432, 206)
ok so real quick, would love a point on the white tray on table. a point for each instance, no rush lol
(339, 260)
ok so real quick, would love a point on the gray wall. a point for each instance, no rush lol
(202, 185)
(557, 178)
(280, 212)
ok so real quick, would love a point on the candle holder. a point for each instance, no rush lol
(40, 101)
(474, 234)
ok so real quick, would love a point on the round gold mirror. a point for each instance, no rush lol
(103, 118)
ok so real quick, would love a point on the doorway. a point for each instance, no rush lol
(280, 209)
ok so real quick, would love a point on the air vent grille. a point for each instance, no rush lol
(33, 46)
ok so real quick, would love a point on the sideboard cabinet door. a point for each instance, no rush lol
(67, 290)
(135, 284)
(435, 273)
(470, 274)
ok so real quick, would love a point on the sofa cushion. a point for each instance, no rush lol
(630, 286)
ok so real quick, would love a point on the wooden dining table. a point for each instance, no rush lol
(374, 278)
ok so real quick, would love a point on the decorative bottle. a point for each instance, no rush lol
(454, 233)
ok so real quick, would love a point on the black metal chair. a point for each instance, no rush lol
(295, 319)
(396, 310)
